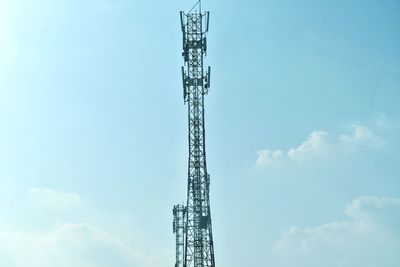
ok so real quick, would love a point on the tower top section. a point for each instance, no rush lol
(194, 28)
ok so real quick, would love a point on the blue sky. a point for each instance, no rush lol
(302, 122)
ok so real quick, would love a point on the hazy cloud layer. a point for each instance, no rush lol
(370, 238)
(63, 244)
(318, 145)
(52, 199)
(79, 245)
(382, 122)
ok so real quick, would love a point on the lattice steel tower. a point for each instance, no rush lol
(192, 223)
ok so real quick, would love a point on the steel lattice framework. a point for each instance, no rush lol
(197, 248)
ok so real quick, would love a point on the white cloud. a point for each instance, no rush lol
(54, 200)
(269, 157)
(370, 238)
(361, 206)
(319, 145)
(360, 136)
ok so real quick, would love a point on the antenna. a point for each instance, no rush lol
(198, 3)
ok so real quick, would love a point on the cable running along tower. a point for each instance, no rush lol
(192, 222)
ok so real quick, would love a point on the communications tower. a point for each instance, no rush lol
(192, 222)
